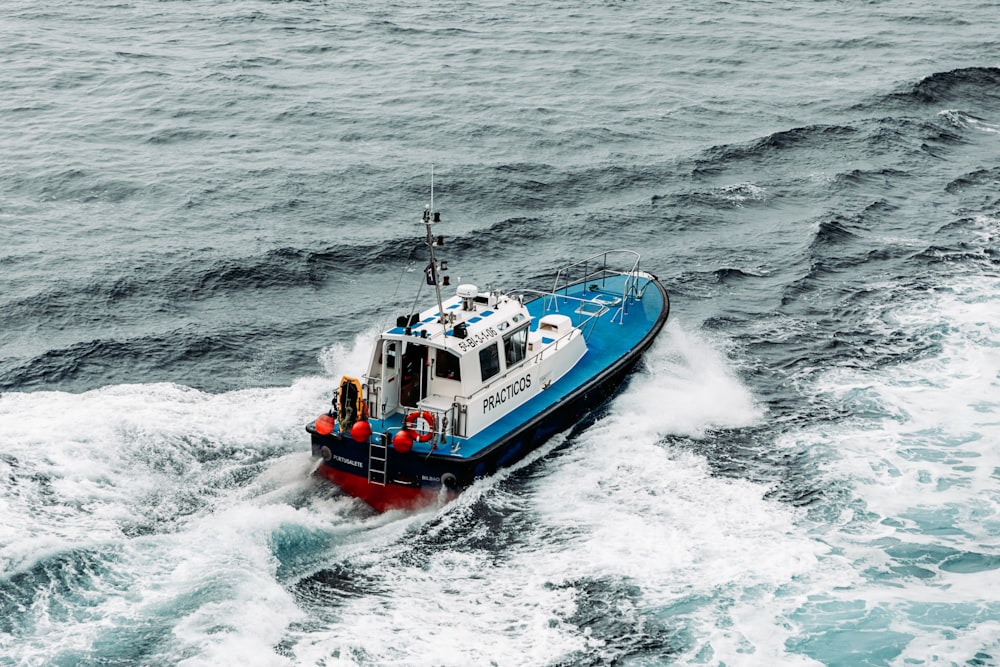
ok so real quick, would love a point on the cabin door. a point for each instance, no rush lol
(413, 380)
(390, 376)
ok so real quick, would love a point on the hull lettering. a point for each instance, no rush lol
(511, 390)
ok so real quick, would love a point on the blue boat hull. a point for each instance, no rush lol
(414, 479)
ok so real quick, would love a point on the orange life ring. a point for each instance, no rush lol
(411, 424)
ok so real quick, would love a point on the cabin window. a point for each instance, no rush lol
(489, 361)
(447, 365)
(514, 345)
(390, 354)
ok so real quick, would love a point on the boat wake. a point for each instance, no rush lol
(191, 521)
(581, 552)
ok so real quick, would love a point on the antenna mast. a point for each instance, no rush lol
(430, 217)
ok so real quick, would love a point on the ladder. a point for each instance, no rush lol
(378, 453)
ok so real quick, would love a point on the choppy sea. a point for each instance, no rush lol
(207, 207)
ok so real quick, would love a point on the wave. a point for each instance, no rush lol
(219, 358)
(528, 186)
(962, 255)
(184, 279)
(832, 232)
(975, 86)
(81, 185)
(977, 191)
(983, 177)
(732, 275)
(835, 314)
(735, 195)
(879, 177)
(719, 158)
(498, 554)
(897, 146)
(62, 574)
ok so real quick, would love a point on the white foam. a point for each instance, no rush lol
(226, 559)
(740, 193)
(928, 441)
(948, 645)
(964, 120)
(617, 506)
(920, 461)
(658, 518)
(85, 467)
(688, 389)
(349, 359)
(105, 450)
(440, 610)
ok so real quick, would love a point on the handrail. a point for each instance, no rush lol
(603, 269)
(629, 290)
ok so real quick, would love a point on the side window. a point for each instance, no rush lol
(390, 354)
(447, 365)
(514, 345)
(489, 361)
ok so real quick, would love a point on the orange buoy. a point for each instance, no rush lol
(361, 431)
(324, 424)
(402, 441)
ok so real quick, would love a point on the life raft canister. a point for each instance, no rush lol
(421, 433)
(350, 404)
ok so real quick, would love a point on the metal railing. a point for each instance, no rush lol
(597, 269)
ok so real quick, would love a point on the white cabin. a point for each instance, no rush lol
(472, 366)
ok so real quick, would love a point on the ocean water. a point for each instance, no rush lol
(207, 208)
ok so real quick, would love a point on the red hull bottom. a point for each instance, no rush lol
(387, 497)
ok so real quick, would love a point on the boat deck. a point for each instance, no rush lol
(613, 326)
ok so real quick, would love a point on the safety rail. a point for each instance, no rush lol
(442, 419)
(596, 267)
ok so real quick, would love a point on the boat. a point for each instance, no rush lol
(478, 380)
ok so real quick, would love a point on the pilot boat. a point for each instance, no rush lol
(477, 381)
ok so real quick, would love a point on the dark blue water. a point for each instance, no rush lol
(207, 208)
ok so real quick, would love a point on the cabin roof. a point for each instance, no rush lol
(487, 317)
